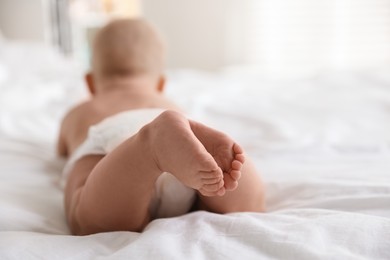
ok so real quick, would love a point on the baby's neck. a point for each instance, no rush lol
(131, 85)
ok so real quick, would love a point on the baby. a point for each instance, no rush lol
(133, 156)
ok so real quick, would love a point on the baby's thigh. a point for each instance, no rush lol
(78, 175)
(248, 196)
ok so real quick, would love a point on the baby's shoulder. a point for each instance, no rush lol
(79, 112)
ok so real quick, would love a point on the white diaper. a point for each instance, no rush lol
(172, 197)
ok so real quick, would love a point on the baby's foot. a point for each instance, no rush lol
(228, 155)
(178, 151)
(231, 177)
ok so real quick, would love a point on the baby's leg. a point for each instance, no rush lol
(115, 192)
(248, 196)
(245, 191)
(228, 154)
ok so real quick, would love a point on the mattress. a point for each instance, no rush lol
(321, 144)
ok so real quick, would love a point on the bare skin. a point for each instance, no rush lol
(105, 194)
(114, 191)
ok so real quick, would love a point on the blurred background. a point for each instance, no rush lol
(274, 37)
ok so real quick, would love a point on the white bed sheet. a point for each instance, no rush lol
(322, 145)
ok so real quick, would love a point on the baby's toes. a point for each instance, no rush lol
(240, 157)
(239, 153)
(207, 193)
(213, 174)
(237, 149)
(235, 172)
(230, 183)
(208, 181)
(236, 165)
(213, 190)
(236, 175)
(213, 187)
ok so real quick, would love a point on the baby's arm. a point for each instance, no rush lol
(62, 149)
(73, 128)
(63, 140)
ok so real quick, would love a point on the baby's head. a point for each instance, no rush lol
(127, 48)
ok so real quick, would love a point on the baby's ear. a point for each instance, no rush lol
(161, 84)
(90, 84)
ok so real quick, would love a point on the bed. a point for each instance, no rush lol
(321, 143)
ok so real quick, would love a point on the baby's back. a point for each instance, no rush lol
(78, 121)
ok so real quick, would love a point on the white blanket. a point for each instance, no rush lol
(322, 145)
